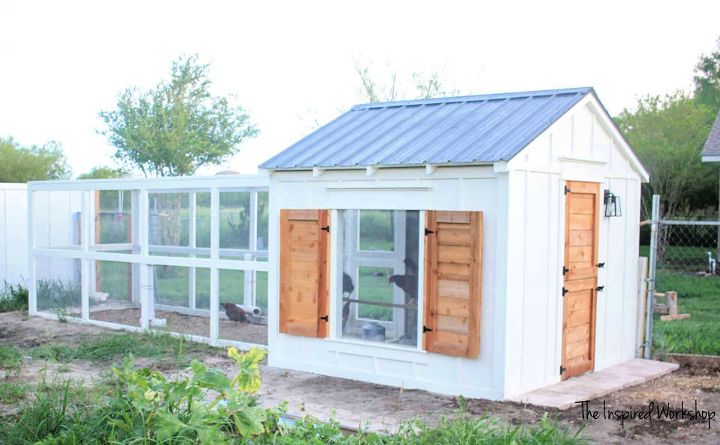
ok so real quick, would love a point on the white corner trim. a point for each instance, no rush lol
(316, 171)
(430, 169)
(371, 170)
(500, 167)
(580, 160)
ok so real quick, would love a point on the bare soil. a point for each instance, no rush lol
(383, 408)
(189, 324)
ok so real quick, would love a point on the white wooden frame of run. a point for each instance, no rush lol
(88, 252)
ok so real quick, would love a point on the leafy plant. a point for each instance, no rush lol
(205, 406)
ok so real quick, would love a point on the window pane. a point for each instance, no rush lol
(376, 230)
(374, 286)
(379, 282)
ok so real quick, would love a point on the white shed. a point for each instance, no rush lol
(457, 245)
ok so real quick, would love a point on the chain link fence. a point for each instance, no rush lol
(683, 259)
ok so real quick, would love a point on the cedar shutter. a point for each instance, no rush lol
(453, 282)
(304, 241)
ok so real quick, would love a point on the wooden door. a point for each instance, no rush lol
(304, 242)
(582, 204)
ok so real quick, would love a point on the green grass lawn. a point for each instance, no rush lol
(697, 296)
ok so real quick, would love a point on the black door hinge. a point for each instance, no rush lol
(564, 291)
(325, 318)
(600, 265)
(600, 288)
(565, 270)
(562, 369)
(325, 228)
(567, 190)
(428, 232)
(426, 329)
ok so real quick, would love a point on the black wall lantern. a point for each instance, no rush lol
(612, 204)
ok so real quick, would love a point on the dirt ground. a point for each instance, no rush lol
(188, 324)
(382, 408)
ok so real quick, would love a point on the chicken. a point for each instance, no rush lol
(410, 266)
(348, 288)
(234, 313)
(408, 283)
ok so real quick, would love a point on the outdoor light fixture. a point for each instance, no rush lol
(612, 204)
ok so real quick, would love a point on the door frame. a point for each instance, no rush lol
(566, 184)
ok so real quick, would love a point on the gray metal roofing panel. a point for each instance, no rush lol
(468, 129)
(712, 144)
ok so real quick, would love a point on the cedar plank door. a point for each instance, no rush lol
(582, 202)
(304, 272)
(453, 277)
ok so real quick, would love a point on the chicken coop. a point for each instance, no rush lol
(482, 245)
(186, 256)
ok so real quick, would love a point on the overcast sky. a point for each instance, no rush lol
(289, 63)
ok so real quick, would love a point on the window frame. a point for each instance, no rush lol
(373, 259)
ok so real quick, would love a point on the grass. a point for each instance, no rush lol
(10, 359)
(13, 392)
(697, 295)
(13, 298)
(117, 345)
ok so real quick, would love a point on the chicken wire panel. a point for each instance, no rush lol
(169, 223)
(173, 291)
(58, 286)
(241, 319)
(236, 225)
(56, 219)
(115, 293)
(379, 254)
(114, 218)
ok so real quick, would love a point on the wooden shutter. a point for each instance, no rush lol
(304, 241)
(453, 282)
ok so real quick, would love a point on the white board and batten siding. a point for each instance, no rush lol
(13, 234)
(580, 146)
(471, 188)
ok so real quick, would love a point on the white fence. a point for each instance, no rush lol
(13, 233)
(152, 254)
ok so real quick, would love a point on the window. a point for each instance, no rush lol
(378, 275)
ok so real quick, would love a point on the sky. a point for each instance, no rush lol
(291, 64)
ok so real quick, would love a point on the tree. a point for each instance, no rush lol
(177, 127)
(427, 85)
(104, 172)
(707, 79)
(34, 163)
(667, 134)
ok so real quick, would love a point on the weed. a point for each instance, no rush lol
(13, 298)
(12, 392)
(10, 360)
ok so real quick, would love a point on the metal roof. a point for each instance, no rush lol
(452, 130)
(712, 144)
